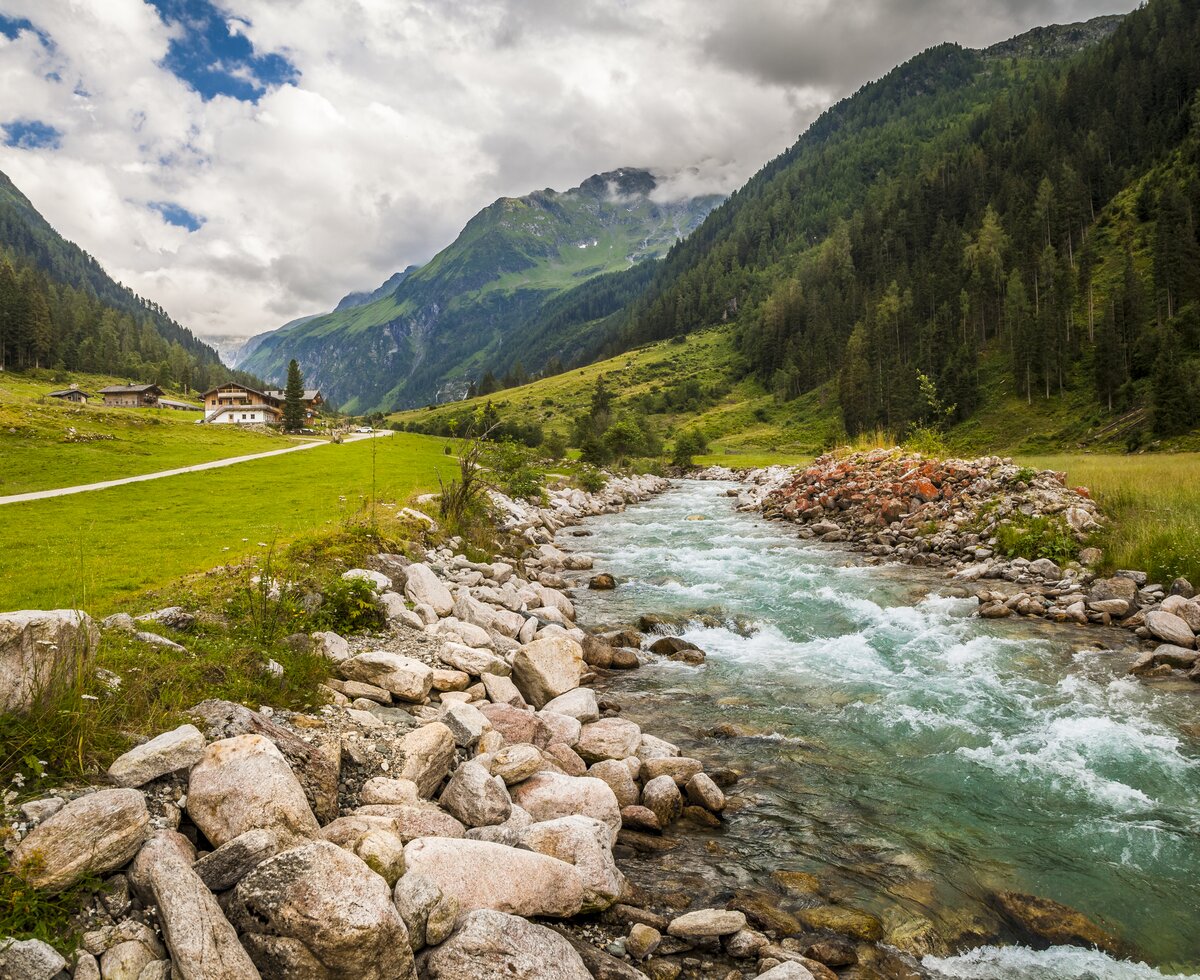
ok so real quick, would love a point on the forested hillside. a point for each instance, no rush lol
(1032, 207)
(60, 310)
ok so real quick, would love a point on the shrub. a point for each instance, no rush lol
(690, 443)
(347, 606)
(591, 479)
(1036, 537)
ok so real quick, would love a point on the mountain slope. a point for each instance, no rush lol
(59, 308)
(1032, 208)
(447, 322)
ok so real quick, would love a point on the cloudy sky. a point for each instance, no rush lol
(244, 162)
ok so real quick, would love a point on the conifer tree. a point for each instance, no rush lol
(293, 399)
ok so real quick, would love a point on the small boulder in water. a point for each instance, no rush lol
(602, 582)
(1042, 922)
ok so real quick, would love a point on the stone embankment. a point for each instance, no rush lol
(952, 513)
(463, 781)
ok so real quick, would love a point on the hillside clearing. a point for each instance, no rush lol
(45, 443)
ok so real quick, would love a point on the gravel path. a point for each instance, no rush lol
(19, 498)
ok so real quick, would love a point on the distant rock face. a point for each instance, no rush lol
(609, 223)
(40, 652)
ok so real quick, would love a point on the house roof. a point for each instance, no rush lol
(235, 384)
(68, 391)
(171, 403)
(130, 389)
(310, 394)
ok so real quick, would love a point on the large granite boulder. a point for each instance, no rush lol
(491, 945)
(585, 843)
(546, 668)
(483, 875)
(316, 764)
(428, 754)
(549, 795)
(90, 836)
(244, 783)
(406, 678)
(202, 943)
(40, 652)
(424, 587)
(317, 911)
(180, 748)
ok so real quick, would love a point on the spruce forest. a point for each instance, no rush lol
(1013, 210)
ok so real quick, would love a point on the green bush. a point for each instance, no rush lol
(1036, 537)
(591, 479)
(347, 606)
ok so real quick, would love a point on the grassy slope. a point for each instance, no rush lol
(101, 549)
(743, 420)
(38, 451)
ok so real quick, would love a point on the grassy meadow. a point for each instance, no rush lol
(100, 550)
(1152, 502)
(47, 443)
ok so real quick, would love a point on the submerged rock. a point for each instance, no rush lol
(1042, 922)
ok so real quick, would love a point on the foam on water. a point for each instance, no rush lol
(890, 722)
(1056, 963)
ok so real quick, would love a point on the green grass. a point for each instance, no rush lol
(1153, 502)
(100, 550)
(46, 443)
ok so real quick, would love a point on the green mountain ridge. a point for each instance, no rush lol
(1031, 208)
(476, 304)
(60, 309)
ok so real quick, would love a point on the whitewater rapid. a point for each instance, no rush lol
(909, 754)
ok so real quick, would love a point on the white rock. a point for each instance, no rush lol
(501, 690)
(40, 652)
(169, 752)
(491, 945)
(202, 943)
(563, 728)
(579, 704)
(549, 795)
(331, 645)
(406, 678)
(377, 580)
(608, 738)
(319, 911)
(90, 836)
(424, 587)
(467, 723)
(391, 604)
(30, 959)
(473, 660)
(1170, 628)
(482, 875)
(428, 754)
(585, 843)
(475, 797)
(544, 669)
(243, 783)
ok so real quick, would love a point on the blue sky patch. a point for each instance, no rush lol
(31, 134)
(10, 27)
(176, 214)
(213, 60)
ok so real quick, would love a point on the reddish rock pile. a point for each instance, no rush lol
(925, 511)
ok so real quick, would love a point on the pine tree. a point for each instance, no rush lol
(293, 399)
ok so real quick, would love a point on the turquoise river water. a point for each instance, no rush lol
(914, 758)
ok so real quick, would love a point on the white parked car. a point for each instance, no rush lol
(365, 428)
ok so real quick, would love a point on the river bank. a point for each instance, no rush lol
(976, 520)
(900, 755)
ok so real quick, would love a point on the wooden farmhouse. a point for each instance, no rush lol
(132, 396)
(239, 404)
(72, 394)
